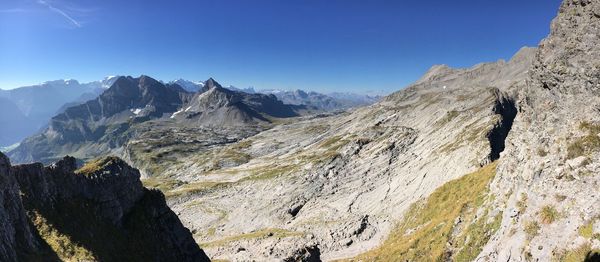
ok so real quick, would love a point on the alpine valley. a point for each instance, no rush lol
(496, 162)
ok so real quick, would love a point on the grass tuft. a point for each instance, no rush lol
(531, 228)
(549, 214)
(263, 233)
(586, 144)
(96, 165)
(582, 253)
(522, 203)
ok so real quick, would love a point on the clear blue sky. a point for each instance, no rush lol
(327, 45)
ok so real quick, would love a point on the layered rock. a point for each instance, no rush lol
(334, 186)
(547, 176)
(100, 212)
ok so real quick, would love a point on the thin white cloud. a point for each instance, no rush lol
(60, 12)
(13, 10)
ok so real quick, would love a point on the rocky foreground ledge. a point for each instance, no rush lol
(100, 212)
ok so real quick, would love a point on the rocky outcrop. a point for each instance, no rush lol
(17, 239)
(100, 212)
(219, 106)
(547, 177)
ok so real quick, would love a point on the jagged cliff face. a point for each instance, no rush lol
(98, 213)
(17, 240)
(547, 178)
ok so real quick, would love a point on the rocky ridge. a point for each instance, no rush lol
(547, 175)
(100, 212)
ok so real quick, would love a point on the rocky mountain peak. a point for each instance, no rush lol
(525, 53)
(301, 93)
(67, 165)
(145, 80)
(211, 83)
(436, 72)
(568, 56)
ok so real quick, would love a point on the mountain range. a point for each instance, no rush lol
(495, 162)
(105, 124)
(27, 110)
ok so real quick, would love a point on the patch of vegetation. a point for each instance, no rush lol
(96, 165)
(542, 152)
(592, 128)
(531, 228)
(330, 142)
(548, 214)
(62, 245)
(235, 156)
(582, 253)
(450, 115)
(522, 203)
(316, 129)
(560, 198)
(271, 172)
(587, 230)
(194, 188)
(76, 230)
(319, 158)
(263, 233)
(476, 236)
(162, 184)
(586, 144)
(244, 144)
(429, 224)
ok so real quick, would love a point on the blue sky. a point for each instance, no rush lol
(325, 45)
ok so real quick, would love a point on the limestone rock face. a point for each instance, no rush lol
(100, 213)
(334, 185)
(16, 237)
(552, 155)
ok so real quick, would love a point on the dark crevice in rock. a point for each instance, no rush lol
(505, 107)
(364, 222)
(295, 210)
(306, 254)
